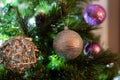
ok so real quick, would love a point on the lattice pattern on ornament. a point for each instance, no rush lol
(18, 54)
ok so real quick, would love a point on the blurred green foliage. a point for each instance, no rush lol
(18, 17)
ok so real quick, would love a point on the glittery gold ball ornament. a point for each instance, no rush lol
(68, 44)
(18, 54)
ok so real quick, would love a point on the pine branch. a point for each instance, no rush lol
(81, 68)
(22, 22)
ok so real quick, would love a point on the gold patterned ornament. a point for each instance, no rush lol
(18, 54)
(68, 44)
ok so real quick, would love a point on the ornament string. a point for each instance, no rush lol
(66, 27)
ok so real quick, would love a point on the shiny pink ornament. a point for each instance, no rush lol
(92, 49)
(94, 14)
(96, 48)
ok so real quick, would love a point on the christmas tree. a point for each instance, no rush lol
(53, 40)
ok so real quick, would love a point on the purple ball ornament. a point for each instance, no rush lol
(92, 50)
(94, 14)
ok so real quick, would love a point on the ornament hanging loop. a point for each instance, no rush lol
(66, 28)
